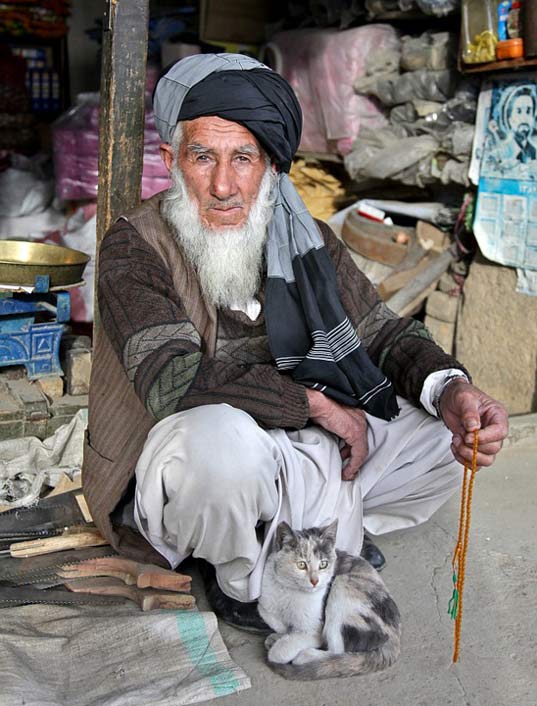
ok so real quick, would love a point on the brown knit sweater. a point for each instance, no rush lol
(162, 349)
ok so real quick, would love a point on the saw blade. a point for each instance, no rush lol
(40, 569)
(58, 511)
(10, 597)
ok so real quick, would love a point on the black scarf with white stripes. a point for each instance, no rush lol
(310, 335)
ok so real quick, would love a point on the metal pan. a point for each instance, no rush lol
(21, 261)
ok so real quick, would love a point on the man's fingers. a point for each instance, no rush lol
(358, 455)
(350, 471)
(464, 456)
(345, 452)
(469, 413)
(490, 449)
(493, 447)
(492, 432)
(490, 435)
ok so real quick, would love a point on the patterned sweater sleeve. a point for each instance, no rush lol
(162, 352)
(402, 347)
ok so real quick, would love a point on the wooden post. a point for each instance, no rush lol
(121, 124)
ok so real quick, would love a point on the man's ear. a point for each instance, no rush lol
(166, 154)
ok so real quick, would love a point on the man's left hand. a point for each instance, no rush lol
(465, 409)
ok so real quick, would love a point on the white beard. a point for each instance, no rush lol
(228, 261)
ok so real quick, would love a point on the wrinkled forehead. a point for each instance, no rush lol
(215, 132)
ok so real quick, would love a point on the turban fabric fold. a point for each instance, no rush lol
(310, 335)
(262, 101)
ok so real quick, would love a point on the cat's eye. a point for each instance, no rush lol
(302, 565)
(323, 564)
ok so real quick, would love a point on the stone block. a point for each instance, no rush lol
(68, 405)
(70, 341)
(496, 336)
(11, 408)
(77, 371)
(36, 428)
(442, 332)
(29, 395)
(11, 414)
(442, 306)
(56, 421)
(13, 429)
(52, 387)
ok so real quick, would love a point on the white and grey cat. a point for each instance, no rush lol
(331, 611)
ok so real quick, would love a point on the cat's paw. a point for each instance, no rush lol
(280, 653)
(271, 639)
(311, 654)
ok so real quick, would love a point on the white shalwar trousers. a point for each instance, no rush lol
(212, 483)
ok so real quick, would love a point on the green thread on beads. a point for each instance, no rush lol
(453, 606)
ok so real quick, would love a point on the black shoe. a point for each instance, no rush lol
(371, 553)
(243, 616)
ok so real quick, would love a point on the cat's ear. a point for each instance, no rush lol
(284, 535)
(330, 531)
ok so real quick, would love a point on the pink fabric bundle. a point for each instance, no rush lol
(322, 66)
(76, 153)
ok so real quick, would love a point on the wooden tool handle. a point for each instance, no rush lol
(75, 540)
(130, 572)
(147, 599)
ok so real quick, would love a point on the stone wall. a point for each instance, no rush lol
(497, 336)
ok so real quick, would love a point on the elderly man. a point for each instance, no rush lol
(246, 371)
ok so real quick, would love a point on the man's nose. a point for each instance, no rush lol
(223, 182)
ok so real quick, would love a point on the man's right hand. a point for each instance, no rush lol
(349, 423)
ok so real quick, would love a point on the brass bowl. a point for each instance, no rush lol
(22, 260)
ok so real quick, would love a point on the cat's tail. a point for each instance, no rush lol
(344, 665)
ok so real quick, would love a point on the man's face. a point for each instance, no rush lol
(222, 165)
(522, 116)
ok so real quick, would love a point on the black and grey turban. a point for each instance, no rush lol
(309, 333)
(262, 100)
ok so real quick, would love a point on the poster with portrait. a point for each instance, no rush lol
(506, 213)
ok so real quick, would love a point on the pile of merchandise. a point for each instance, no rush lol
(322, 66)
(76, 152)
(431, 113)
(40, 18)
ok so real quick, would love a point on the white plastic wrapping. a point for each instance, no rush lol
(322, 66)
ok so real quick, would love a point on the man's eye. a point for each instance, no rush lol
(202, 158)
(302, 565)
(323, 564)
(242, 158)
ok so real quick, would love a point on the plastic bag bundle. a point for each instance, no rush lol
(322, 66)
(431, 114)
(25, 187)
(439, 8)
(386, 154)
(431, 50)
(76, 152)
(434, 117)
(424, 84)
(458, 140)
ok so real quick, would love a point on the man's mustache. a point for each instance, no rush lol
(224, 204)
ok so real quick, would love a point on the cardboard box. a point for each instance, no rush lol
(235, 21)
